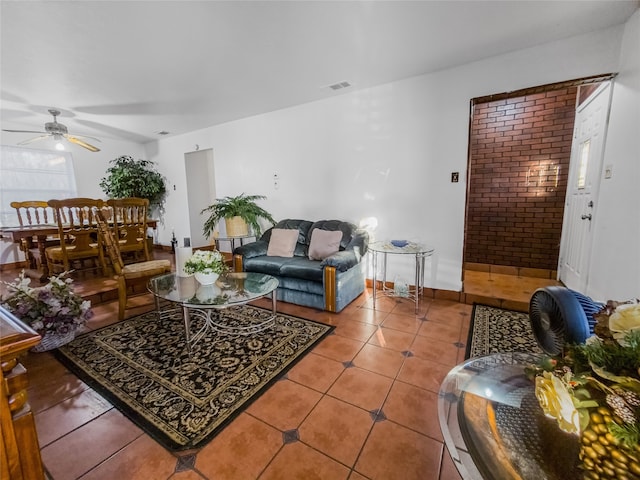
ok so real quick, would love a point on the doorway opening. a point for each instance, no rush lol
(201, 192)
(519, 157)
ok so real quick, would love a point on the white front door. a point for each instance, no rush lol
(582, 189)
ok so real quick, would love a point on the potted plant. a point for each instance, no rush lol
(239, 213)
(207, 265)
(127, 177)
(54, 310)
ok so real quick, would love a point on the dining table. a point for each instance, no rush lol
(16, 234)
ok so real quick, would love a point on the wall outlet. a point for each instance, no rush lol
(455, 176)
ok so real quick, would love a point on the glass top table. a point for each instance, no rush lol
(206, 302)
(494, 427)
(419, 250)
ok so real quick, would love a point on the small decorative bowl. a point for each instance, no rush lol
(399, 243)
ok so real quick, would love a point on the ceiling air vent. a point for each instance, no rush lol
(339, 85)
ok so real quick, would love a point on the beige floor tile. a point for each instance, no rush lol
(355, 330)
(434, 350)
(392, 339)
(316, 372)
(380, 360)
(142, 459)
(361, 388)
(423, 373)
(299, 461)
(285, 405)
(241, 451)
(444, 332)
(404, 323)
(414, 408)
(93, 442)
(393, 451)
(68, 415)
(338, 348)
(337, 429)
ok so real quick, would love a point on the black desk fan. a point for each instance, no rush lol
(559, 316)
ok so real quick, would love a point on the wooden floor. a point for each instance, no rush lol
(389, 361)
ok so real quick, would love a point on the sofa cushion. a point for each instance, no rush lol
(324, 243)
(282, 242)
(302, 268)
(264, 264)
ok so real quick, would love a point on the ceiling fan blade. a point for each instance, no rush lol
(41, 137)
(21, 131)
(83, 136)
(86, 145)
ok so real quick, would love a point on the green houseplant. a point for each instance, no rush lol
(232, 209)
(127, 177)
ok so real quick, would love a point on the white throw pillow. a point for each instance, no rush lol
(282, 242)
(324, 243)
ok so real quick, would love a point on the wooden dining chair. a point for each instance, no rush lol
(131, 275)
(33, 213)
(130, 218)
(79, 247)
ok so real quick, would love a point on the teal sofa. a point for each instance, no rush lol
(329, 284)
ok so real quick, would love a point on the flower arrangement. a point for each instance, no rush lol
(593, 391)
(52, 308)
(205, 261)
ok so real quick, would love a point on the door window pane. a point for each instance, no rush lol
(584, 162)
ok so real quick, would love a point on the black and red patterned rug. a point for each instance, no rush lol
(496, 330)
(184, 398)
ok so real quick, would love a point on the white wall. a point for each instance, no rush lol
(386, 152)
(89, 169)
(615, 265)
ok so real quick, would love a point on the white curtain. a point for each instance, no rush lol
(30, 174)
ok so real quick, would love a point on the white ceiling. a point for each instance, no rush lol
(129, 69)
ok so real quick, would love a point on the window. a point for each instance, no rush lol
(29, 174)
(584, 163)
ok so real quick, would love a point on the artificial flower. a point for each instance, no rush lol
(54, 307)
(625, 318)
(556, 402)
(205, 261)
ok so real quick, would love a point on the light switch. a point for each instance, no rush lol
(608, 171)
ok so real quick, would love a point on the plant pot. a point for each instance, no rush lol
(236, 227)
(206, 278)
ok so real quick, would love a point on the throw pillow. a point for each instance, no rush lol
(282, 242)
(324, 243)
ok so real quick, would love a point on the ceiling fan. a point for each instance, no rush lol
(58, 131)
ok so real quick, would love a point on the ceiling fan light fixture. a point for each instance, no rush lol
(59, 133)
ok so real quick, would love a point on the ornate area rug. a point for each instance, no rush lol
(496, 330)
(143, 367)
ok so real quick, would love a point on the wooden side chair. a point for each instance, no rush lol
(130, 217)
(79, 247)
(35, 213)
(131, 275)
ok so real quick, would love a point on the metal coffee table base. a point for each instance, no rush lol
(213, 320)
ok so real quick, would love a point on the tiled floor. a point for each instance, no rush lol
(362, 404)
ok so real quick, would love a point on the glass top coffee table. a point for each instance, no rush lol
(208, 302)
(494, 427)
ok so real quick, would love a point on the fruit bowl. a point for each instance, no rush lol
(399, 243)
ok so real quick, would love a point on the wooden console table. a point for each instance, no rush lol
(20, 452)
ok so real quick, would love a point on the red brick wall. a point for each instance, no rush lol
(518, 168)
